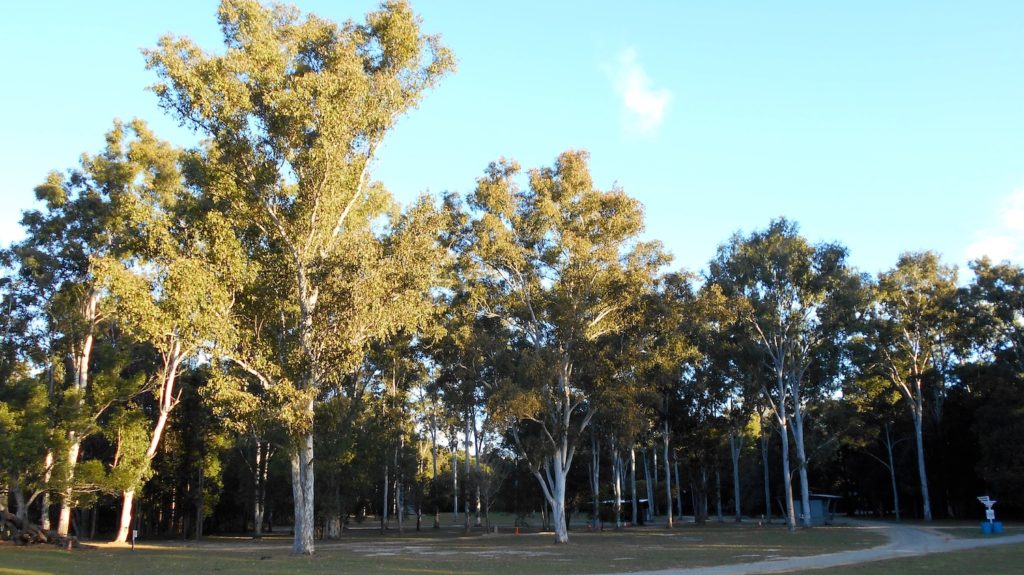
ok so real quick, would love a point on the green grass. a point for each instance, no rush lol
(430, 552)
(997, 560)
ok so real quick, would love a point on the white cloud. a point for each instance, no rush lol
(643, 108)
(1004, 240)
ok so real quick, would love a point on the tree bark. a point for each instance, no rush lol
(480, 508)
(650, 490)
(20, 507)
(302, 493)
(90, 313)
(552, 483)
(668, 481)
(767, 472)
(44, 514)
(124, 526)
(455, 483)
(679, 486)
(918, 412)
(632, 478)
(801, 454)
(260, 486)
(699, 488)
(892, 471)
(735, 445)
(595, 479)
(781, 418)
(718, 495)
(384, 502)
(166, 401)
(200, 501)
(617, 484)
(465, 481)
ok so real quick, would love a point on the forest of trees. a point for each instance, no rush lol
(253, 333)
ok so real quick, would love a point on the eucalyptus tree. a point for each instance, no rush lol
(874, 410)
(910, 321)
(798, 303)
(629, 408)
(470, 355)
(398, 370)
(25, 438)
(58, 262)
(721, 365)
(173, 284)
(294, 112)
(560, 265)
(991, 313)
(685, 326)
(990, 328)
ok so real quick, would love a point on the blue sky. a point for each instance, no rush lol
(886, 126)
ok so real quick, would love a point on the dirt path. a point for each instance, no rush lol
(904, 541)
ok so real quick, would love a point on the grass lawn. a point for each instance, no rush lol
(973, 531)
(998, 560)
(961, 529)
(432, 552)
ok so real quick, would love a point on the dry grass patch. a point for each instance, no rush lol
(430, 552)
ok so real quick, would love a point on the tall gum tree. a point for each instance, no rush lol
(796, 292)
(173, 286)
(58, 259)
(561, 265)
(911, 317)
(991, 327)
(294, 112)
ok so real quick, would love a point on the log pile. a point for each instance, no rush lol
(25, 533)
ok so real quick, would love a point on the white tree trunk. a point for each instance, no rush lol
(801, 454)
(892, 472)
(552, 483)
(558, 509)
(919, 440)
(125, 525)
(617, 485)
(477, 448)
(64, 519)
(734, 449)
(166, 401)
(44, 515)
(90, 313)
(465, 481)
(767, 473)
(632, 478)
(787, 479)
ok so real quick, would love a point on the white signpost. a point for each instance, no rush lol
(990, 514)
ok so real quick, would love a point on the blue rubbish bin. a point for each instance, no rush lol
(986, 528)
(997, 527)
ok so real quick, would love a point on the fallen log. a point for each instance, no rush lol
(25, 533)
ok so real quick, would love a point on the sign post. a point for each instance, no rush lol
(990, 516)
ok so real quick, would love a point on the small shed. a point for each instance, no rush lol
(822, 508)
